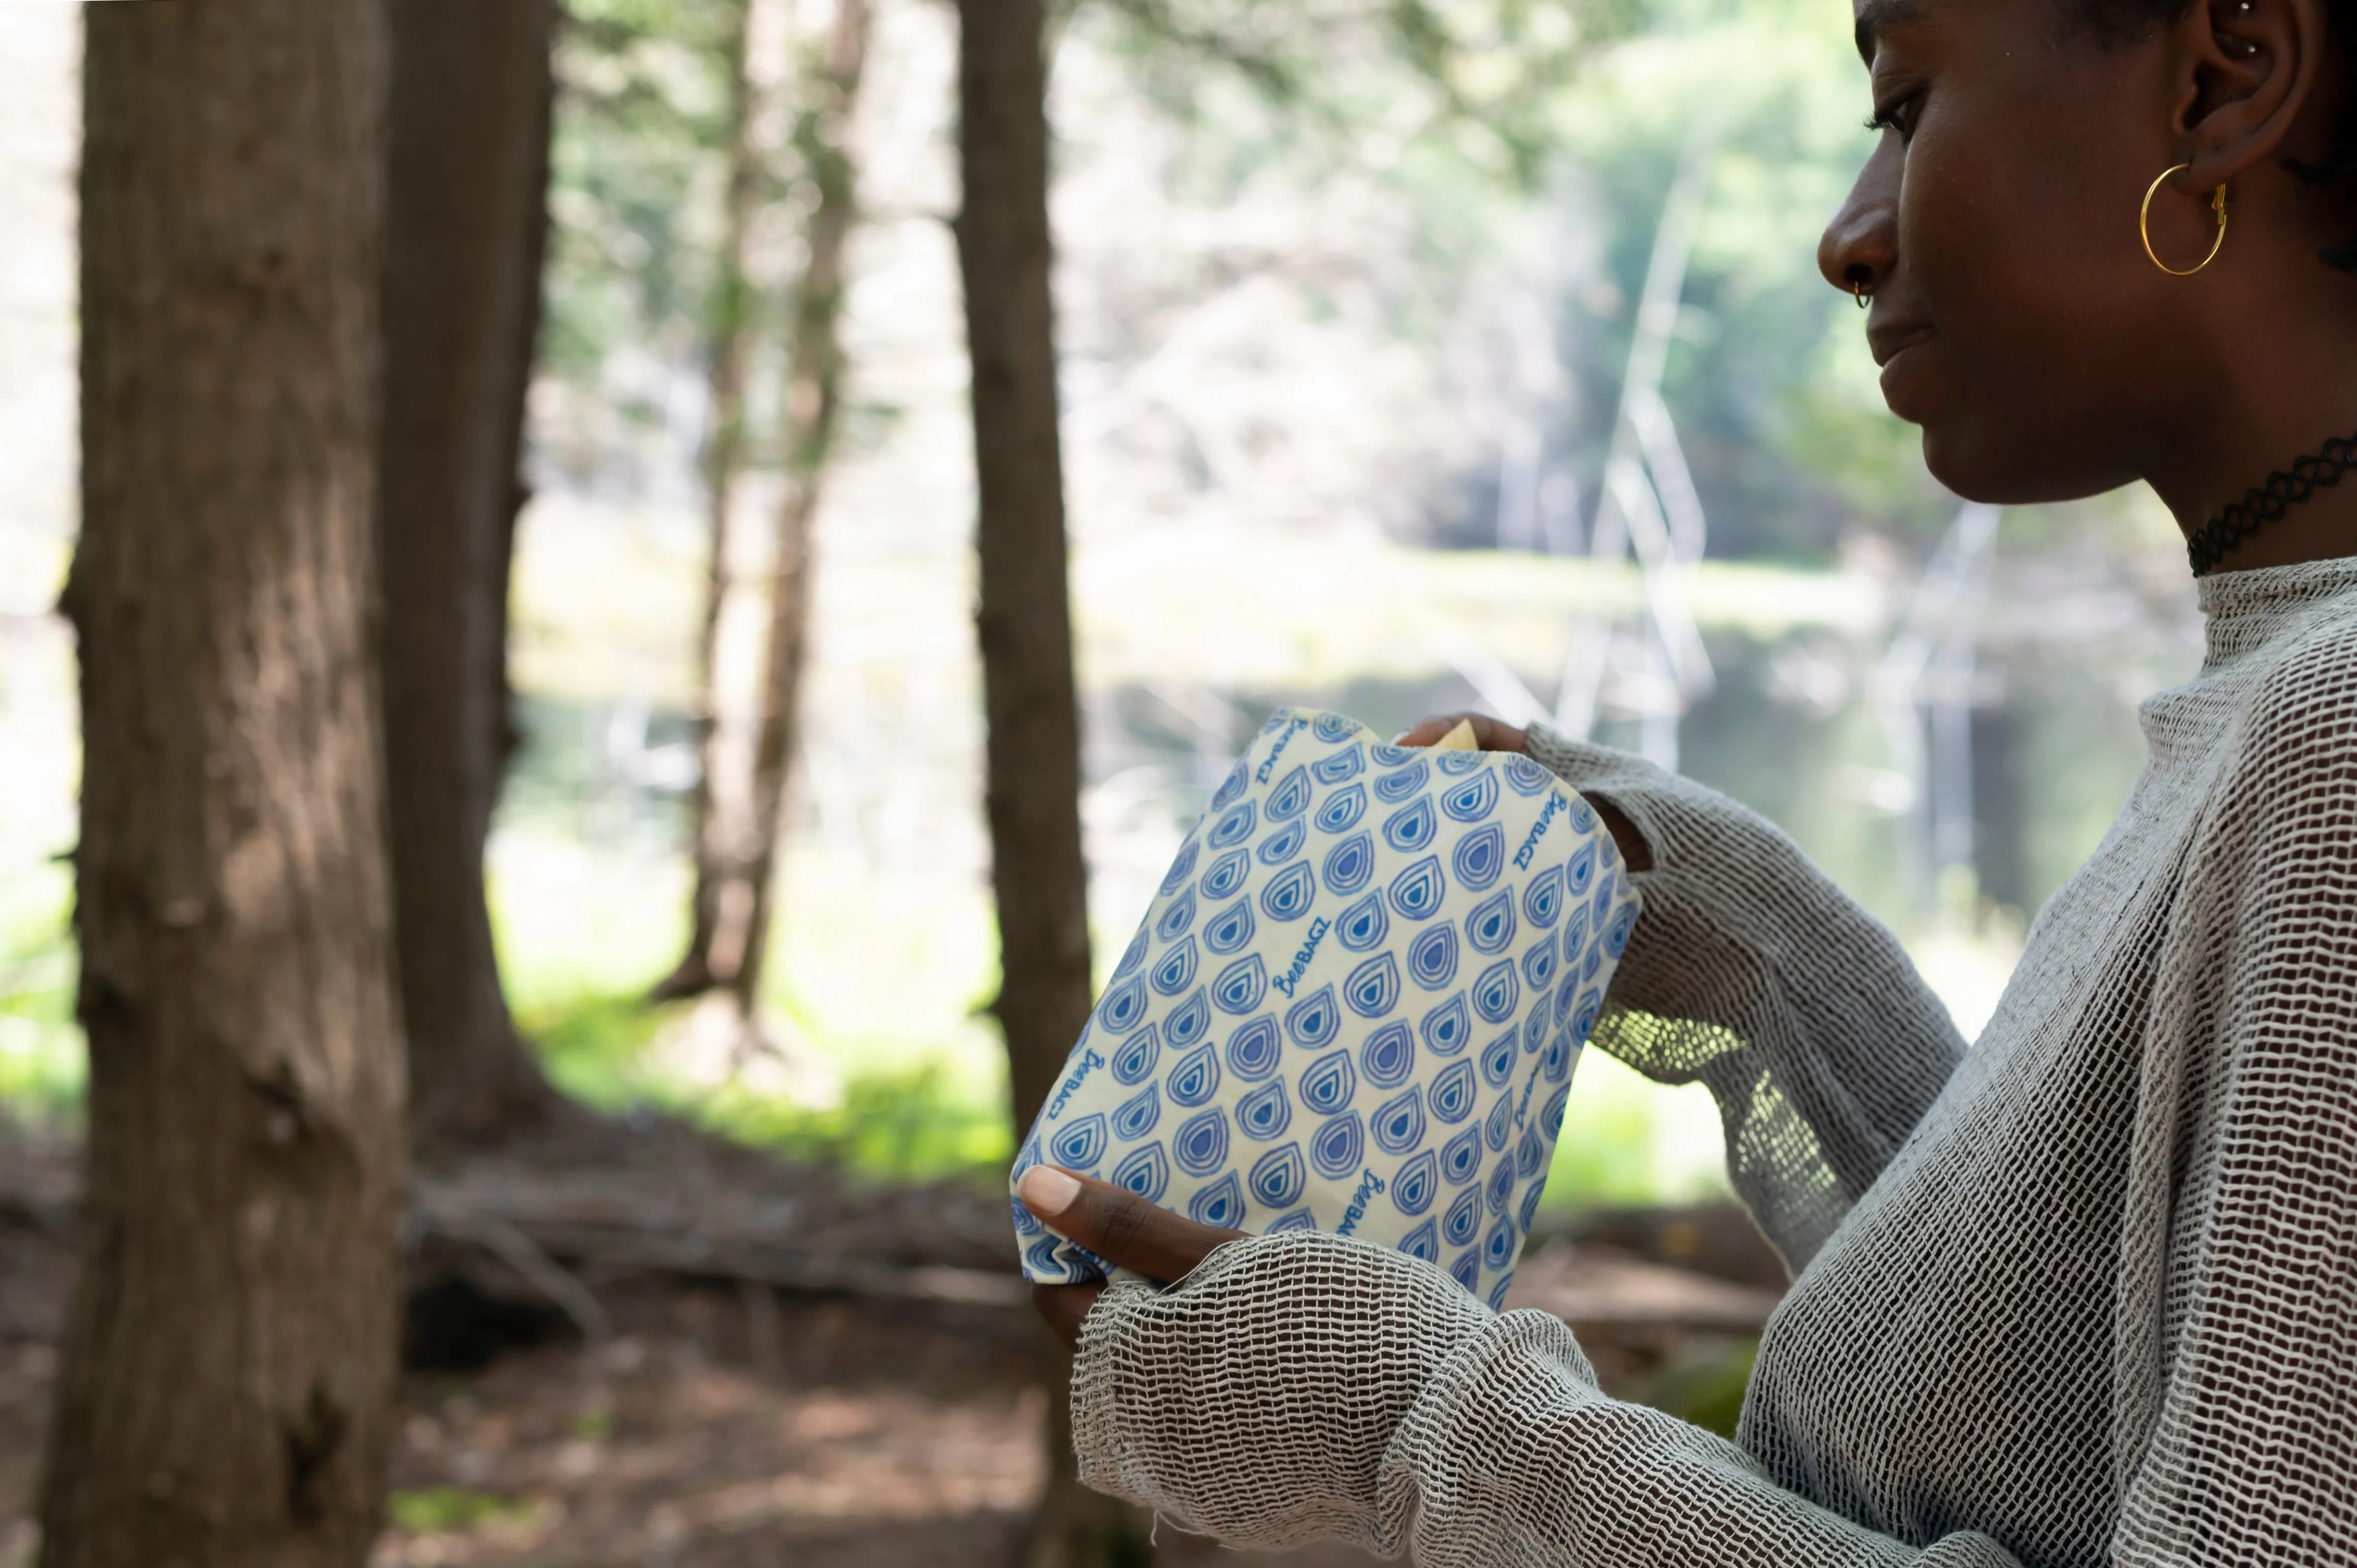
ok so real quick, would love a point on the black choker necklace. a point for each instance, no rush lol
(2215, 539)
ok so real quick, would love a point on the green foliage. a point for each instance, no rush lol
(43, 1067)
(452, 1509)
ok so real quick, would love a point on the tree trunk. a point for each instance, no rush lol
(733, 327)
(466, 224)
(229, 1353)
(1025, 625)
(749, 744)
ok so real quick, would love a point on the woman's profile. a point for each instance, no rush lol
(2086, 1293)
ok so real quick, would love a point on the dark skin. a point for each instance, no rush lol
(2019, 322)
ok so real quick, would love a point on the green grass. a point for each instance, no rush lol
(453, 1508)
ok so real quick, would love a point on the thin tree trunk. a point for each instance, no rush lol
(813, 406)
(733, 327)
(229, 1361)
(1025, 627)
(467, 227)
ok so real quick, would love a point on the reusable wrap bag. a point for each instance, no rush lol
(1353, 1007)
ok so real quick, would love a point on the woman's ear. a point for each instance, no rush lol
(2247, 69)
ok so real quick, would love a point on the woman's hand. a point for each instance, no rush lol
(1497, 735)
(1117, 1226)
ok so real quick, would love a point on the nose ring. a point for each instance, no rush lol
(1857, 292)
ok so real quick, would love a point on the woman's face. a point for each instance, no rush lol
(2015, 314)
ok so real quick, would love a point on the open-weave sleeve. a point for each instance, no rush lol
(2247, 1309)
(1752, 973)
(1300, 1386)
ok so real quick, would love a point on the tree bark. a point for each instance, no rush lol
(229, 1365)
(749, 744)
(733, 327)
(1024, 622)
(467, 227)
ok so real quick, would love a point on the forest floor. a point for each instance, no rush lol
(710, 1424)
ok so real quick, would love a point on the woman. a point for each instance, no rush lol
(2087, 1294)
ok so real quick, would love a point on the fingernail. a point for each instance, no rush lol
(1403, 736)
(1047, 1191)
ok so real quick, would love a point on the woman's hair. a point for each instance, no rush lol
(2116, 21)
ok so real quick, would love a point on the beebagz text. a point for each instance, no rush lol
(1088, 1058)
(1268, 766)
(1300, 965)
(1370, 1183)
(1531, 839)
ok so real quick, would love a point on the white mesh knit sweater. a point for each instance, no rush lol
(2087, 1294)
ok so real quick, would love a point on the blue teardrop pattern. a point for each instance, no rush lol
(1461, 1157)
(1399, 1123)
(1333, 728)
(1575, 933)
(1222, 1204)
(1327, 1083)
(1337, 1148)
(1538, 966)
(1498, 1246)
(1196, 1077)
(1175, 971)
(1616, 935)
(1471, 801)
(1178, 917)
(1526, 777)
(1550, 1122)
(1181, 868)
(1490, 926)
(1498, 1293)
(1542, 898)
(1530, 1210)
(1363, 925)
(1565, 991)
(1136, 1057)
(1241, 985)
(1227, 874)
(1447, 1027)
(1188, 1023)
(1299, 1220)
(1579, 871)
(1561, 1053)
(1312, 1021)
(1266, 1112)
(1496, 992)
(1230, 788)
(1500, 1186)
(1279, 1177)
(1456, 764)
(1373, 989)
(1388, 1055)
(1479, 857)
(1414, 1188)
(1137, 1114)
(1200, 1145)
(1234, 826)
(1253, 1050)
(1583, 1017)
(1462, 1220)
(1467, 1272)
(1120, 1008)
(1144, 1171)
(1498, 1126)
(1349, 864)
(1040, 1256)
(1283, 845)
(1393, 788)
(1529, 1154)
(1451, 1092)
(1026, 1222)
(1341, 810)
(1080, 1144)
(1391, 755)
(1423, 1242)
(1230, 928)
(1432, 957)
(1344, 764)
(1497, 1059)
(1417, 892)
(1287, 898)
(1133, 955)
(1535, 1028)
(1291, 796)
(1413, 826)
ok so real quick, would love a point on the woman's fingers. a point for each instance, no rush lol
(1117, 1224)
(1491, 735)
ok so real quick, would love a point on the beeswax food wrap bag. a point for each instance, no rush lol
(1353, 1007)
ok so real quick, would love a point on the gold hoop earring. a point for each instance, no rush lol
(2144, 225)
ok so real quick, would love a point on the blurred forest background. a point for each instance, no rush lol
(1350, 303)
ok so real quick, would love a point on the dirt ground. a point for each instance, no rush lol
(733, 1427)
